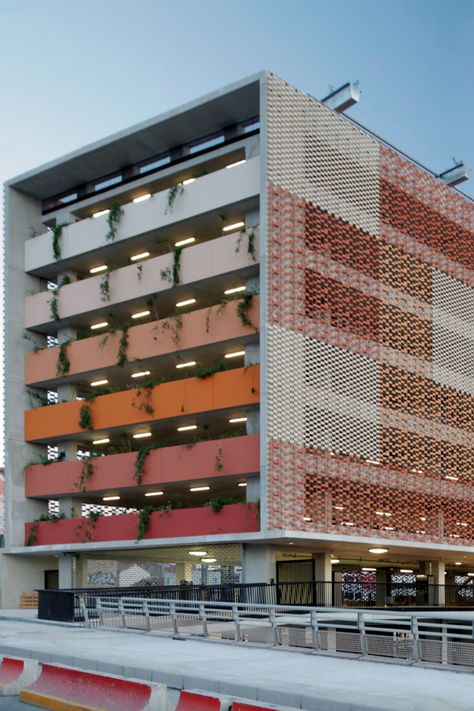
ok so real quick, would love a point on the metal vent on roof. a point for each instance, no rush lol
(455, 175)
(343, 98)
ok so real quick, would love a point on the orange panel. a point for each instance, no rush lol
(200, 328)
(233, 388)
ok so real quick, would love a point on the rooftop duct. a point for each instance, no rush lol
(455, 175)
(343, 98)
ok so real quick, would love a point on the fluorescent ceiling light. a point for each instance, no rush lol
(142, 435)
(154, 493)
(451, 478)
(234, 420)
(187, 302)
(141, 314)
(242, 483)
(233, 165)
(188, 181)
(235, 290)
(141, 374)
(185, 428)
(184, 242)
(369, 570)
(95, 383)
(378, 551)
(104, 440)
(406, 570)
(234, 226)
(189, 364)
(142, 255)
(199, 553)
(208, 560)
(457, 562)
(470, 575)
(334, 561)
(200, 488)
(306, 518)
(102, 324)
(96, 270)
(142, 198)
(100, 213)
(339, 508)
(111, 498)
(235, 354)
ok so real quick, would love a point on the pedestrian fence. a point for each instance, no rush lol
(404, 636)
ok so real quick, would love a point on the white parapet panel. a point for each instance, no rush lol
(222, 255)
(206, 193)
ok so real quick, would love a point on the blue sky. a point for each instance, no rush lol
(74, 72)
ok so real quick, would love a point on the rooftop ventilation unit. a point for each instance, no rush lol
(455, 175)
(343, 98)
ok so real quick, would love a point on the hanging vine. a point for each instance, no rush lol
(53, 306)
(104, 285)
(57, 233)
(144, 516)
(251, 251)
(86, 473)
(173, 193)
(113, 220)
(142, 454)
(85, 417)
(243, 307)
(123, 345)
(174, 325)
(63, 365)
(172, 274)
(218, 464)
(142, 399)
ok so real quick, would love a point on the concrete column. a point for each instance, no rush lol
(69, 447)
(252, 354)
(66, 569)
(258, 563)
(323, 576)
(66, 391)
(82, 572)
(382, 578)
(184, 571)
(70, 507)
(252, 219)
(252, 147)
(252, 490)
(438, 569)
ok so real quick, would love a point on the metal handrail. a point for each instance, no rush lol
(407, 631)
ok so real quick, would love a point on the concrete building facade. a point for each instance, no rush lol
(239, 346)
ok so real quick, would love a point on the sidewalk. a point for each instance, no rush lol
(296, 679)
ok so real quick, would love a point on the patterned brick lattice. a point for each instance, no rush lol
(370, 335)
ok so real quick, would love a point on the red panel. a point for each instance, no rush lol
(189, 701)
(234, 518)
(92, 690)
(239, 455)
(11, 670)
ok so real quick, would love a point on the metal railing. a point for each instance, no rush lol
(408, 636)
(64, 604)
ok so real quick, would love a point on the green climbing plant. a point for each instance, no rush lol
(143, 396)
(57, 233)
(173, 193)
(123, 345)
(172, 274)
(144, 516)
(63, 364)
(219, 464)
(140, 460)
(218, 502)
(85, 474)
(243, 307)
(113, 220)
(104, 284)
(85, 417)
(53, 306)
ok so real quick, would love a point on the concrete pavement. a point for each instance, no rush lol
(296, 679)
